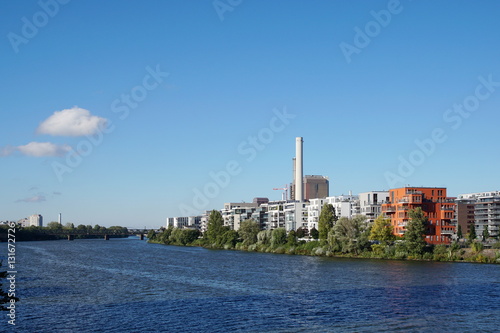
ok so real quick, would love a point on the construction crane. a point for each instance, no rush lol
(284, 195)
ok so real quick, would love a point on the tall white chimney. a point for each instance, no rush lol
(60, 218)
(299, 177)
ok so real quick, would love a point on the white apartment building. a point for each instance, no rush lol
(295, 215)
(35, 220)
(274, 215)
(370, 203)
(344, 205)
(184, 222)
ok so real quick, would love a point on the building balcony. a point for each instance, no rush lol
(446, 215)
(389, 209)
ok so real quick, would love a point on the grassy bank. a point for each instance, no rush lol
(452, 253)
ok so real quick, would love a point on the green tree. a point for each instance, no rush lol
(164, 237)
(486, 233)
(151, 234)
(81, 228)
(300, 233)
(228, 239)
(477, 247)
(327, 219)
(175, 236)
(459, 232)
(69, 226)
(314, 233)
(415, 231)
(382, 231)
(54, 226)
(248, 231)
(349, 235)
(264, 237)
(188, 236)
(291, 239)
(472, 233)
(278, 237)
(215, 226)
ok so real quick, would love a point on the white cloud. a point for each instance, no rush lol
(42, 149)
(71, 122)
(36, 198)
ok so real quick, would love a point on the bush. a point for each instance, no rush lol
(378, 249)
(477, 247)
(427, 256)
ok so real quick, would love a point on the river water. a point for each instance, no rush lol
(127, 285)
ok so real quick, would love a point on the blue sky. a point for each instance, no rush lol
(205, 79)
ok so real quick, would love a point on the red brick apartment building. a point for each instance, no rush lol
(437, 207)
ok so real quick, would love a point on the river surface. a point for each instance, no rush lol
(127, 285)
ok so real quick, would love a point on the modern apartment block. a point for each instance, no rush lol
(344, 205)
(370, 203)
(295, 215)
(35, 220)
(272, 213)
(464, 215)
(236, 212)
(234, 216)
(486, 211)
(437, 207)
(184, 222)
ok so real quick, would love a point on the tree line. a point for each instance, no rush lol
(54, 231)
(353, 237)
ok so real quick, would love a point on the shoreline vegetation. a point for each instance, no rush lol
(335, 237)
(55, 231)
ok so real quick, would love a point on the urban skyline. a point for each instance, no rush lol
(158, 100)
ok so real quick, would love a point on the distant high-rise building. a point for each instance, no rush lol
(36, 220)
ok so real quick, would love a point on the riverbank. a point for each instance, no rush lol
(390, 252)
(42, 233)
(343, 237)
